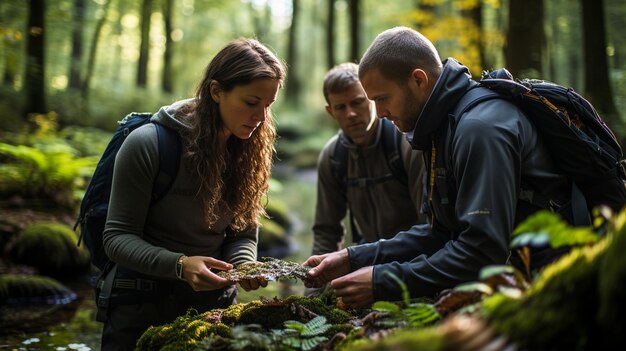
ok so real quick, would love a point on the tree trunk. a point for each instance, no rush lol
(166, 82)
(144, 48)
(330, 35)
(597, 83)
(76, 57)
(292, 88)
(91, 60)
(525, 39)
(35, 59)
(475, 15)
(355, 33)
(10, 40)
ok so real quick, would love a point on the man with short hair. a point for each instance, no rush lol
(475, 176)
(378, 202)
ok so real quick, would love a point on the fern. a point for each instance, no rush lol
(303, 336)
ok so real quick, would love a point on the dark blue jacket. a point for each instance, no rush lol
(494, 154)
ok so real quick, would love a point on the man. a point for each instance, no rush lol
(494, 151)
(379, 202)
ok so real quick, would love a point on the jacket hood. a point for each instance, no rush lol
(454, 81)
(167, 115)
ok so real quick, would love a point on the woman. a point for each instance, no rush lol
(208, 221)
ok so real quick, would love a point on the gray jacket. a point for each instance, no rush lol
(380, 210)
(149, 239)
(493, 153)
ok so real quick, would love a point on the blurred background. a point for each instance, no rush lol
(70, 69)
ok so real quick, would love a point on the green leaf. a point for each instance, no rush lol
(386, 306)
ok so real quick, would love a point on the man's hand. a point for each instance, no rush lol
(326, 268)
(355, 289)
(197, 273)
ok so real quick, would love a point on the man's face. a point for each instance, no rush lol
(399, 103)
(354, 113)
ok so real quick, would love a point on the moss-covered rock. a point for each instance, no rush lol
(274, 240)
(560, 304)
(51, 248)
(612, 287)
(33, 289)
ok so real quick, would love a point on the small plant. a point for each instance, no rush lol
(303, 336)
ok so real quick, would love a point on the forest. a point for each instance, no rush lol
(71, 69)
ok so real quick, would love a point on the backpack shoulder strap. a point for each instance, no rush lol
(169, 160)
(339, 160)
(392, 146)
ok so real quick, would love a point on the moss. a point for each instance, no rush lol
(612, 289)
(559, 304)
(279, 213)
(58, 242)
(33, 289)
(427, 339)
(182, 334)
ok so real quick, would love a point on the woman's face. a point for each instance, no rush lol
(245, 107)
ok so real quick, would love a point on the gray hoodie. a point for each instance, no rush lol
(149, 239)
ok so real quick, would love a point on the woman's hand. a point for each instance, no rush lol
(196, 271)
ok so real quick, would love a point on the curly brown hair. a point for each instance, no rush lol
(233, 179)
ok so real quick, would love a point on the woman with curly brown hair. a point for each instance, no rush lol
(167, 253)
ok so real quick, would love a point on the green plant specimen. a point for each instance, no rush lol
(270, 269)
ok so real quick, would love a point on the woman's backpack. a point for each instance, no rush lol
(95, 203)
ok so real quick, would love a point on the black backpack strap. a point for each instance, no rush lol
(169, 160)
(441, 174)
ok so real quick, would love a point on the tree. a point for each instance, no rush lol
(525, 38)
(91, 60)
(76, 57)
(144, 46)
(293, 86)
(35, 59)
(166, 81)
(597, 83)
(11, 39)
(330, 35)
(355, 34)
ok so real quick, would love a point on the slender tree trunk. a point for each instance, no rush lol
(11, 40)
(91, 60)
(330, 35)
(166, 81)
(597, 83)
(355, 33)
(475, 15)
(35, 59)
(76, 58)
(525, 38)
(144, 48)
(292, 89)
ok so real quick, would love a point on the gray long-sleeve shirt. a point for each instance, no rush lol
(379, 210)
(149, 239)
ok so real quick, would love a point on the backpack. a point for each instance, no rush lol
(391, 143)
(580, 143)
(95, 203)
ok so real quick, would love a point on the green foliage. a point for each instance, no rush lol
(43, 165)
(559, 233)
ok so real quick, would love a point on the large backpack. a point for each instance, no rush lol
(391, 144)
(95, 203)
(581, 144)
